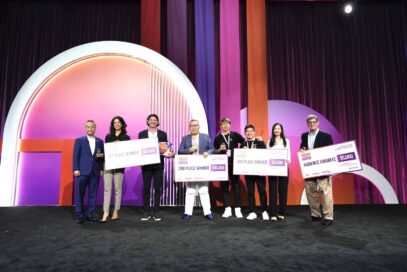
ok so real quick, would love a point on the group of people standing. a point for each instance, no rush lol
(88, 160)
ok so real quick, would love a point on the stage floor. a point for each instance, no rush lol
(362, 238)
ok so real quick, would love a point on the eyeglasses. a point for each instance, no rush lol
(312, 122)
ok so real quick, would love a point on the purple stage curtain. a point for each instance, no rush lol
(352, 69)
(230, 74)
(177, 50)
(205, 60)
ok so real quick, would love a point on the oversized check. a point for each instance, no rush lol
(329, 160)
(131, 153)
(260, 162)
(198, 168)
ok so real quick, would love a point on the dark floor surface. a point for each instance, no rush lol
(362, 238)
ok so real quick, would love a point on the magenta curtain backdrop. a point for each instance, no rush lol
(230, 71)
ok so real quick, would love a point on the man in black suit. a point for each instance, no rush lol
(315, 138)
(153, 170)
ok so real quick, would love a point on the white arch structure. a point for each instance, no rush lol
(14, 121)
(374, 177)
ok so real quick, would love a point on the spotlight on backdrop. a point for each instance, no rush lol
(348, 8)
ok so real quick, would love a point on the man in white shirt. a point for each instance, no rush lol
(314, 187)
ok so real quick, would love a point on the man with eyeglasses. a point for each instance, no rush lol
(196, 143)
(314, 187)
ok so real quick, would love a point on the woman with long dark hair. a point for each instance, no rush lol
(278, 141)
(117, 132)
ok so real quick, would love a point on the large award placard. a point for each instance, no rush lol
(197, 168)
(260, 162)
(131, 153)
(329, 160)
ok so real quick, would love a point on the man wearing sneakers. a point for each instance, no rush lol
(224, 143)
(252, 142)
(153, 171)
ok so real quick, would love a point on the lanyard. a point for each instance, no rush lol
(228, 140)
(247, 144)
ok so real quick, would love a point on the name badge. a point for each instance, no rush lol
(229, 153)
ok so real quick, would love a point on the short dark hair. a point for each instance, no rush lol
(153, 115)
(249, 126)
(225, 120)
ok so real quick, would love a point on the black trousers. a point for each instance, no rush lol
(157, 174)
(282, 183)
(261, 187)
(235, 181)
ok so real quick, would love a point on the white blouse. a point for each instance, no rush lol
(280, 145)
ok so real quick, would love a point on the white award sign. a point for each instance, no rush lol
(198, 168)
(122, 154)
(260, 162)
(329, 160)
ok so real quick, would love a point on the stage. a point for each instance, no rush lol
(362, 238)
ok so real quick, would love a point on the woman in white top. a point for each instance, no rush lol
(278, 141)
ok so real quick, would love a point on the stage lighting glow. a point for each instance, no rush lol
(65, 64)
(348, 8)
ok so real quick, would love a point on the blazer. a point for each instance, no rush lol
(322, 139)
(162, 137)
(205, 144)
(112, 138)
(83, 159)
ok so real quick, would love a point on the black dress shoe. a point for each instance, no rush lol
(315, 219)
(327, 222)
(92, 218)
(79, 220)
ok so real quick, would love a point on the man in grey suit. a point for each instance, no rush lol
(196, 144)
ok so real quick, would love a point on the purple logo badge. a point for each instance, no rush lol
(276, 162)
(148, 150)
(346, 157)
(306, 156)
(182, 160)
(218, 167)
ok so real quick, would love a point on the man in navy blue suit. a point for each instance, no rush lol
(87, 167)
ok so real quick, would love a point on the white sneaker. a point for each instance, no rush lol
(238, 213)
(251, 216)
(227, 213)
(265, 215)
(280, 217)
(274, 219)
